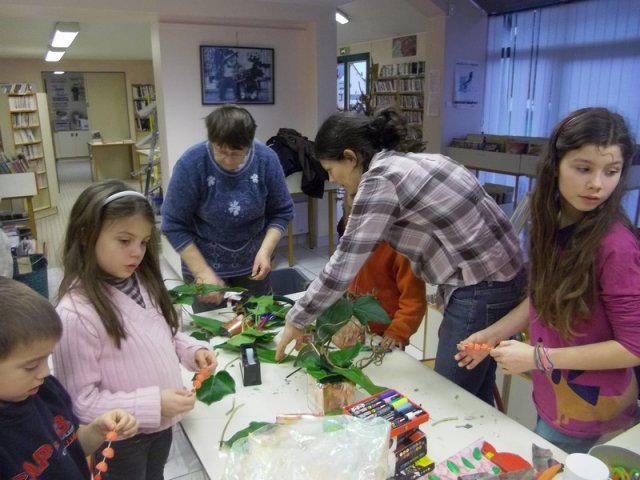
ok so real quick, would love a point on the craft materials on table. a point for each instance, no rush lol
(408, 443)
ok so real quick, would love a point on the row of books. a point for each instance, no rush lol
(399, 85)
(17, 164)
(501, 144)
(22, 88)
(396, 69)
(144, 91)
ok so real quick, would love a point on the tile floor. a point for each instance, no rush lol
(183, 464)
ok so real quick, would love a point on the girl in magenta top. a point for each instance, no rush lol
(583, 308)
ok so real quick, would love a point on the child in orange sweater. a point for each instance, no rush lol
(388, 275)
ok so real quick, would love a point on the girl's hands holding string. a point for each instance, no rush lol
(514, 357)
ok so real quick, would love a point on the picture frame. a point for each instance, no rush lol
(241, 75)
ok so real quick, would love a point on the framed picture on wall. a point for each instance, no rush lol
(236, 75)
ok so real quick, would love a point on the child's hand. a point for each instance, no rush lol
(390, 343)
(468, 356)
(119, 421)
(176, 402)
(514, 357)
(205, 358)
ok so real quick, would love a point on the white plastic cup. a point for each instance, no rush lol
(580, 466)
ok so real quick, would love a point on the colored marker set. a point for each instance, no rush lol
(402, 413)
(408, 443)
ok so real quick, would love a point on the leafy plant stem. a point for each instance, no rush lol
(230, 413)
(230, 362)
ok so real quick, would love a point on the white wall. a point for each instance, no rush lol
(465, 41)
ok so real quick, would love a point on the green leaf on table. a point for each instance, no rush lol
(209, 324)
(199, 336)
(253, 426)
(368, 309)
(215, 387)
(267, 355)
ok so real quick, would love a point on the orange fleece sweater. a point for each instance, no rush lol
(388, 276)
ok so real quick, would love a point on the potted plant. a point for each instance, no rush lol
(333, 373)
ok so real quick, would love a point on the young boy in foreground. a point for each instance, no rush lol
(40, 437)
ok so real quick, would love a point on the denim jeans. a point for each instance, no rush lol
(254, 287)
(469, 310)
(141, 457)
(563, 441)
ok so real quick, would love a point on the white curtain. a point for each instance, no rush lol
(543, 64)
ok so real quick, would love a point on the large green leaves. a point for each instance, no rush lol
(332, 320)
(211, 325)
(336, 366)
(215, 387)
(368, 309)
(184, 294)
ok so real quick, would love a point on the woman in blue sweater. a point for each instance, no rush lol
(227, 207)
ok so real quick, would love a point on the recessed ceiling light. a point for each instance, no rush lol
(54, 54)
(64, 34)
(341, 18)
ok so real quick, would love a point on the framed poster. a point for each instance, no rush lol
(242, 75)
(404, 46)
(466, 89)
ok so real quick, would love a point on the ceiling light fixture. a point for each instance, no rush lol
(64, 34)
(54, 54)
(341, 18)
(59, 72)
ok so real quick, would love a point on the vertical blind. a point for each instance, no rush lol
(543, 64)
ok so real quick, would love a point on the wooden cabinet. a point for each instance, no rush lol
(24, 123)
(402, 85)
(143, 95)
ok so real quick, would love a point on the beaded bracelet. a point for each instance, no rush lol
(541, 357)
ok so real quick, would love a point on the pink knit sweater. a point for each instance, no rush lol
(100, 377)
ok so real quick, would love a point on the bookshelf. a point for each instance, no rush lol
(402, 85)
(143, 94)
(24, 124)
(19, 186)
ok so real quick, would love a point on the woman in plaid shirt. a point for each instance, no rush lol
(433, 211)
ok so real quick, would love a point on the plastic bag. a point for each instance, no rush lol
(338, 447)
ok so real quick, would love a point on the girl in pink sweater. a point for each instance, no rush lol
(121, 347)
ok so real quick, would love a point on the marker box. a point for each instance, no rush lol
(403, 414)
(409, 449)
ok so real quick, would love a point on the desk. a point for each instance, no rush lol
(293, 185)
(278, 394)
(111, 160)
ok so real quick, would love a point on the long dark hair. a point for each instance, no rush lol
(385, 130)
(88, 217)
(563, 286)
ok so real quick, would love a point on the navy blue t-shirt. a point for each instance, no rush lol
(39, 437)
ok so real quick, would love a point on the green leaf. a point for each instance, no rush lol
(209, 324)
(258, 305)
(267, 355)
(357, 376)
(369, 309)
(216, 387)
(240, 339)
(253, 426)
(199, 336)
(343, 357)
(332, 320)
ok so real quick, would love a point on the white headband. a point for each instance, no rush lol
(126, 193)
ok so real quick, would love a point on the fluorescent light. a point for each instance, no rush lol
(64, 34)
(54, 54)
(341, 18)
(59, 72)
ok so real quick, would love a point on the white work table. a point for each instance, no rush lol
(457, 417)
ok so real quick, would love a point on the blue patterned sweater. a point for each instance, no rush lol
(225, 214)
